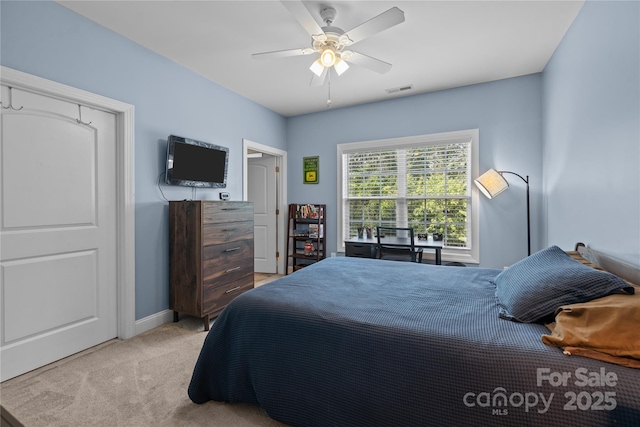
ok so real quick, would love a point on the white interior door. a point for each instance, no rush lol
(57, 230)
(262, 192)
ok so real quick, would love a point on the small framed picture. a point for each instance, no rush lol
(311, 169)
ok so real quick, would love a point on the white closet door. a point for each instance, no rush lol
(58, 230)
(262, 192)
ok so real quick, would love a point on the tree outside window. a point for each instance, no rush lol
(425, 187)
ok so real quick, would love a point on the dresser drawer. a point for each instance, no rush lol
(228, 262)
(217, 297)
(229, 252)
(216, 234)
(360, 250)
(222, 212)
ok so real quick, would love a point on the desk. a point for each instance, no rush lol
(368, 248)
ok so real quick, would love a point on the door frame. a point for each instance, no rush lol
(125, 203)
(281, 188)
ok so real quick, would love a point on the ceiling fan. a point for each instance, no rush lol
(332, 42)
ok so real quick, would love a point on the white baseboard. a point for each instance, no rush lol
(153, 321)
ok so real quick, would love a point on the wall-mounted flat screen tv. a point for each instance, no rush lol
(195, 163)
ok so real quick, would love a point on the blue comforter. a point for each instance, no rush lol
(362, 342)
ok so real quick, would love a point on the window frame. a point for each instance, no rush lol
(465, 255)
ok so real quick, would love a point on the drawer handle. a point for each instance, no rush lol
(230, 209)
(232, 249)
(232, 269)
(228, 291)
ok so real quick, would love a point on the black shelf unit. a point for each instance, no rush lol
(306, 235)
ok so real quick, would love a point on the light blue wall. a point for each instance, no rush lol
(590, 115)
(49, 41)
(592, 132)
(509, 116)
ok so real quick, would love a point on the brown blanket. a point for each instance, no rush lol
(606, 329)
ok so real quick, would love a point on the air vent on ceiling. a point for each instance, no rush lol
(399, 89)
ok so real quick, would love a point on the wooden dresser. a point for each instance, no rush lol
(210, 255)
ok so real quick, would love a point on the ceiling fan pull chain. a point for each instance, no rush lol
(329, 100)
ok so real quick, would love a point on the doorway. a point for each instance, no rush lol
(264, 183)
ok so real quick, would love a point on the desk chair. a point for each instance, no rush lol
(399, 244)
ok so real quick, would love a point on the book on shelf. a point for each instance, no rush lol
(307, 212)
(301, 232)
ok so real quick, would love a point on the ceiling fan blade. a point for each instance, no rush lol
(385, 20)
(304, 18)
(371, 63)
(319, 81)
(282, 53)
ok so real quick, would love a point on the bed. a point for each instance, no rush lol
(364, 342)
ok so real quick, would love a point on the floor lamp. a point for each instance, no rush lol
(492, 183)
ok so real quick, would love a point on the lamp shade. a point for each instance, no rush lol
(317, 67)
(491, 183)
(340, 66)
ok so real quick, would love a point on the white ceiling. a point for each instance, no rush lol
(441, 44)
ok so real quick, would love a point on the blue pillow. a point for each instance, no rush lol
(535, 287)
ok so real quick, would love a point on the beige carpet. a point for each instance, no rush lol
(260, 279)
(138, 382)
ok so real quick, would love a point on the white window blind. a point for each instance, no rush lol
(422, 183)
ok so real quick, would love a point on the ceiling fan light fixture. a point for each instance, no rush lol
(319, 37)
(317, 67)
(328, 57)
(344, 40)
(340, 66)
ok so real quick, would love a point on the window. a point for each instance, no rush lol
(422, 182)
